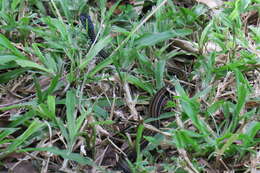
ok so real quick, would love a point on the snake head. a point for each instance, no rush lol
(85, 17)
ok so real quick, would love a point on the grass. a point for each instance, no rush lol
(63, 108)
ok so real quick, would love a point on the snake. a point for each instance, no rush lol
(156, 104)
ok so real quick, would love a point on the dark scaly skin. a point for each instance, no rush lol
(155, 107)
(91, 32)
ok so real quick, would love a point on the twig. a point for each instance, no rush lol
(18, 101)
(129, 101)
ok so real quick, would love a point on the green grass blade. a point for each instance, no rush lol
(7, 58)
(52, 106)
(66, 154)
(30, 64)
(138, 142)
(5, 77)
(35, 126)
(242, 93)
(15, 3)
(95, 50)
(150, 39)
(138, 82)
(4, 42)
(70, 115)
(4, 132)
(101, 65)
(159, 71)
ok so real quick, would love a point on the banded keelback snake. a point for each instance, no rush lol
(155, 107)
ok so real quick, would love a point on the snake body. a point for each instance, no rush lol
(155, 106)
(91, 32)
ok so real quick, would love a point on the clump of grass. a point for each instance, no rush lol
(67, 109)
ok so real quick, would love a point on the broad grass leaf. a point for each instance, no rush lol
(205, 34)
(159, 71)
(39, 54)
(5, 77)
(101, 65)
(4, 42)
(252, 129)
(242, 93)
(214, 107)
(185, 140)
(15, 4)
(53, 85)
(228, 143)
(62, 128)
(70, 115)
(191, 107)
(25, 117)
(138, 82)
(106, 122)
(31, 64)
(52, 106)
(121, 30)
(4, 132)
(66, 154)
(100, 112)
(138, 141)
(7, 58)
(178, 140)
(150, 39)
(240, 6)
(38, 89)
(34, 127)
(95, 50)
(20, 105)
(65, 7)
